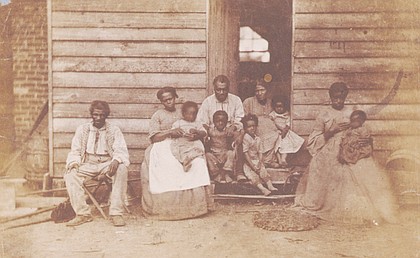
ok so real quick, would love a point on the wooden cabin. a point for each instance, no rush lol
(124, 51)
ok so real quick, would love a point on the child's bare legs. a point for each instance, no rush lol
(281, 157)
(270, 186)
(226, 176)
(264, 190)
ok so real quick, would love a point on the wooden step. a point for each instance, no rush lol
(240, 196)
(278, 175)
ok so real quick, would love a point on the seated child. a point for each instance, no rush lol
(187, 148)
(351, 148)
(288, 141)
(220, 156)
(254, 168)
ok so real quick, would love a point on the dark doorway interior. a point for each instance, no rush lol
(265, 45)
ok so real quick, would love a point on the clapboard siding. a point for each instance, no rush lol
(355, 49)
(364, 44)
(129, 49)
(354, 65)
(320, 96)
(377, 127)
(357, 20)
(354, 6)
(123, 52)
(356, 34)
(131, 65)
(356, 81)
(130, 95)
(386, 142)
(122, 80)
(131, 34)
(125, 110)
(374, 111)
(129, 20)
(127, 6)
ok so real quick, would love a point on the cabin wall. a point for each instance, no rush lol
(364, 44)
(122, 52)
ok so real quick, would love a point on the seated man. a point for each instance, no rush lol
(99, 150)
(232, 105)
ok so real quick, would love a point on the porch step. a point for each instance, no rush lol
(278, 175)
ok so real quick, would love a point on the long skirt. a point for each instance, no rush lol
(173, 205)
(354, 193)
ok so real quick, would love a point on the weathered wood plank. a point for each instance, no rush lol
(374, 112)
(59, 168)
(133, 140)
(355, 34)
(126, 110)
(356, 80)
(391, 143)
(357, 97)
(377, 127)
(130, 6)
(360, 6)
(131, 34)
(354, 65)
(132, 65)
(120, 80)
(129, 20)
(69, 125)
(129, 49)
(357, 20)
(137, 95)
(355, 49)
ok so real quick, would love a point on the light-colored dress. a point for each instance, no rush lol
(292, 142)
(184, 203)
(253, 147)
(267, 131)
(350, 193)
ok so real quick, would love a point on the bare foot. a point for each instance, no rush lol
(283, 164)
(265, 191)
(228, 179)
(272, 188)
(273, 165)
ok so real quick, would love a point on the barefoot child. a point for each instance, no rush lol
(187, 148)
(220, 156)
(353, 147)
(254, 168)
(288, 141)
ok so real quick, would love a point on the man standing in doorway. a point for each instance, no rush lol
(232, 105)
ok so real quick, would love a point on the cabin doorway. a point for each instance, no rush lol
(248, 40)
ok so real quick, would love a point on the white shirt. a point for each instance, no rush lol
(232, 105)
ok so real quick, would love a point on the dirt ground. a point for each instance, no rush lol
(228, 231)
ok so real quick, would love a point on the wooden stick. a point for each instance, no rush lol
(92, 198)
(28, 224)
(238, 196)
(42, 210)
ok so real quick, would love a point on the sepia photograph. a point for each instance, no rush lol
(209, 128)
